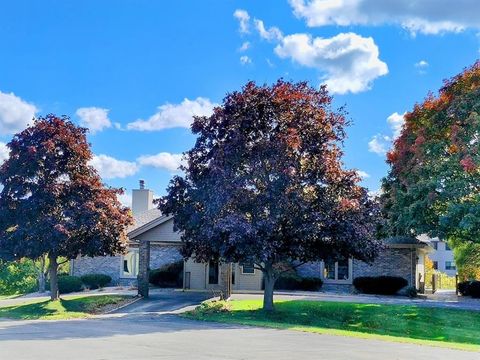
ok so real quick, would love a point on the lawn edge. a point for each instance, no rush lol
(74, 315)
(335, 332)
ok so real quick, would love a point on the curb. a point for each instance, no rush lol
(138, 298)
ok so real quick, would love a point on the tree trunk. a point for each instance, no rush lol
(53, 270)
(269, 278)
(41, 275)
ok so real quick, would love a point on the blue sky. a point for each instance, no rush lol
(135, 71)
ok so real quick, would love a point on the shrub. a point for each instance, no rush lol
(95, 281)
(411, 292)
(68, 284)
(474, 289)
(381, 285)
(170, 275)
(464, 288)
(290, 281)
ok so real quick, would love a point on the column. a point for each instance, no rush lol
(143, 268)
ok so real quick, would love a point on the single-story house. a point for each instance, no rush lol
(404, 257)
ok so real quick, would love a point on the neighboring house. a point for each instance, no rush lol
(404, 257)
(442, 255)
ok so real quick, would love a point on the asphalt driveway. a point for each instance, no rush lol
(164, 301)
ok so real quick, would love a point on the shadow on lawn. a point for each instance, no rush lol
(414, 322)
(77, 307)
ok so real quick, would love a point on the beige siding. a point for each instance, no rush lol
(247, 281)
(163, 232)
(197, 274)
(199, 277)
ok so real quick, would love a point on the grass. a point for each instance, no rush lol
(403, 323)
(72, 307)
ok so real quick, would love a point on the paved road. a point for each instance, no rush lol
(171, 337)
(143, 331)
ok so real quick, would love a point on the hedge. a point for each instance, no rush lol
(295, 282)
(95, 281)
(380, 285)
(68, 284)
(469, 288)
(169, 276)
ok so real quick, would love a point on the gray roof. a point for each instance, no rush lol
(404, 240)
(144, 218)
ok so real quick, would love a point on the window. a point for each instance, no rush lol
(213, 272)
(447, 247)
(248, 268)
(130, 264)
(337, 270)
(233, 273)
(435, 265)
(450, 265)
(329, 270)
(435, 245)
(342, 270)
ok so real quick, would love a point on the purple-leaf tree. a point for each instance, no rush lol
(264, 183)
(53, 203)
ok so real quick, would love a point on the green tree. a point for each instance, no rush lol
(53, 202)
(264, 183)
(433, 185)
(17, 277)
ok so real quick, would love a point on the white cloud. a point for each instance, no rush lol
(163, 160)
(426, 16)
(396, 122)
(350, 62)
(125, 199)
(243, 19)
(270, 34)
(245, 46)
(244, 60)
(96, 119)
(4, 152)
(379, 144)
(174, 115)
(421, 64)
(111, 168)
(15, 113)
(363, 174)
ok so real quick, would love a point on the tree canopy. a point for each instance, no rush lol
(53, 202)
(264, 183)
(433, 185)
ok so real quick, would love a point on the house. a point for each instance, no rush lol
(441, 255)
(153, 241)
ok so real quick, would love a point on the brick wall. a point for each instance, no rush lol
(111, 265)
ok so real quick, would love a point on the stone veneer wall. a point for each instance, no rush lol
(110, 265)
(392, 262)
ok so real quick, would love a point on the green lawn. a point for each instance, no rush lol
(404, 323)
(67, 308)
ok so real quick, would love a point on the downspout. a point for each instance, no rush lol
(411, 268)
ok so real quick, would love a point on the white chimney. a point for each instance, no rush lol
(142, 199)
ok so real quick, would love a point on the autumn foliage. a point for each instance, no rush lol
(53, 202)
(433, 185)
(265, 184)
